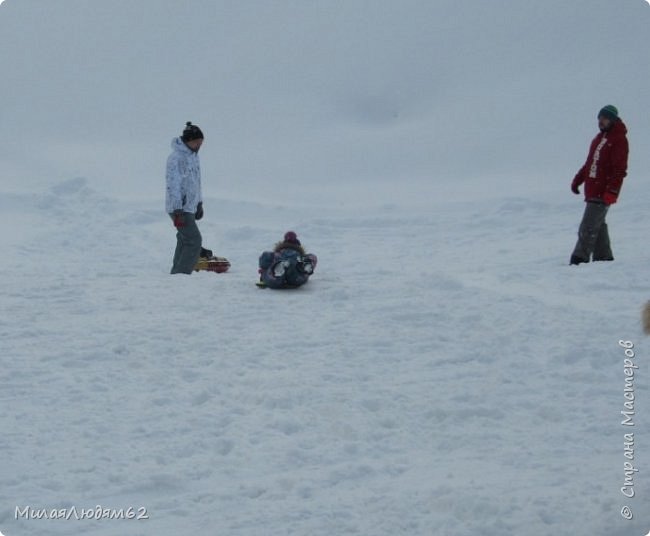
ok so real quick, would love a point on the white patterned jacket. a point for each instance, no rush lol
(183, 179)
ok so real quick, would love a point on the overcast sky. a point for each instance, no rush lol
(315, 93)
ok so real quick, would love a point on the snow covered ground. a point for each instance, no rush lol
(444, 372)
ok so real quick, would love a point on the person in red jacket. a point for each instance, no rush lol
(602, 176)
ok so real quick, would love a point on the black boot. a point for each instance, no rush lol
(604, 259)
(577, 260)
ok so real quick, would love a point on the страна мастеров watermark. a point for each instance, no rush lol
(629, 470)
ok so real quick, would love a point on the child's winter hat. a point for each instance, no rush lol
(291, 237)
(610, 112)
(191, 132)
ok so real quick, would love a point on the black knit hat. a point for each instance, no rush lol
(191, 132)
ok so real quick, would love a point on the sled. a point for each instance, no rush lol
(262, 284)
(215, 264)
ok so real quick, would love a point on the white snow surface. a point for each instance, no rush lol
(444, 372)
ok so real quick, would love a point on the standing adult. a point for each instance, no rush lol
(184, 202)
(602, 175)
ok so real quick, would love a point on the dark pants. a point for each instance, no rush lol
(593, 237)
(188, 246)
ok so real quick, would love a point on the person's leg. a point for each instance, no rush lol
(295, 275)
(177, 254)
(268, 277)
(177, 251)
(603, 248)
(266, 259)
(188, 246)
(592, 220)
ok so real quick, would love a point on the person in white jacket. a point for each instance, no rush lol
(184, 202)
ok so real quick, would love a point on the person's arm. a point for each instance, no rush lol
(174, 184)
(578, 180)
(618, 169)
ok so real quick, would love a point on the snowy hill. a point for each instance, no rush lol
(445, 371)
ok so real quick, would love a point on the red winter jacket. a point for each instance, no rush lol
(606, 164)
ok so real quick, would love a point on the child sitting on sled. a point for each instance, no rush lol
(288, 265)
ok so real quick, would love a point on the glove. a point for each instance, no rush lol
(610, 198)
(199, 211)
(179, 219)
(575, 188)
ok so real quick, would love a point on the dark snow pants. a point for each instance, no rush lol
(188, 246)
(593, 236)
